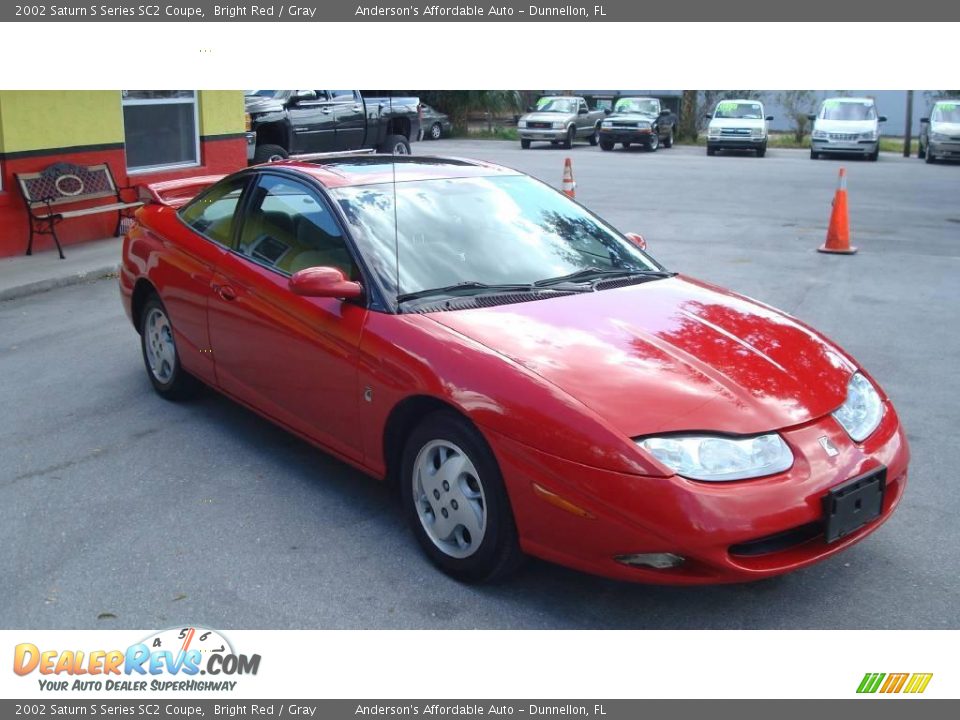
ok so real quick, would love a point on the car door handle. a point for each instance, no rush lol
(326, 111)
(225, 291)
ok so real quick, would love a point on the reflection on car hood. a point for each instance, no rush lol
(547, 117)
(946, 128)
(632, 116)
(845, 126)
(669, 355)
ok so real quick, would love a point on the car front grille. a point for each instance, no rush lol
(738, 132)
(843, 136)
(540, 125)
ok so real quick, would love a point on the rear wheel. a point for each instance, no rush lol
(571, 136)
(269, 153)
(436, 131)
(525, 144)
(395, 145)
(668, 141)
(456, 502)
(160, 356)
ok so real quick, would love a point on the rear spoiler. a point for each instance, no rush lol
(175, 193)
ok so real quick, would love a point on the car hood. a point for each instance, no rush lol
(632, 117)
(846, 126)
(669, 355)
(738, 123)
(547, 117)
(946, 128)
(256, 104)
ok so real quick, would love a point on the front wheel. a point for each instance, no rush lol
(571, 136)
(395, 145)
(525, 144)
(875, 155)
(761, 151)
(654, 142)
(456, 502)
(160, 356)
(595, 137)
(921, 151)
(814, 154)
(606, 145)
(930, 159)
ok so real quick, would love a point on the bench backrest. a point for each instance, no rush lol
(67, 183)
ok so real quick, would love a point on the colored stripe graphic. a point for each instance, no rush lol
(918, 683)
(870, 682)
(894, 683)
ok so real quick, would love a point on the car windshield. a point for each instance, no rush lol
(557, 105)
(637, 105)
(729, 109)
(839, 110)
(263, 93)
(491, 230)
(946, 113)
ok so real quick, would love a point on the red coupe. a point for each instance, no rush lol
(534, 381)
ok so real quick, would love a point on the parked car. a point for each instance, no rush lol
(560, 120)
(435, 124)
(290, 122)
(940, 133)
(576, 402)
(848, 126)
(638, 121)
(738, 125)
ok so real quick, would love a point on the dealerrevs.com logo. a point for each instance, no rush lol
(911, 683)
(168, 660)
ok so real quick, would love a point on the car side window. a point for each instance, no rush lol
(288, 227)
(342, 95)
(212, 214)
(583, 105)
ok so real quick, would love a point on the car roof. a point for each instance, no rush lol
(353, 170)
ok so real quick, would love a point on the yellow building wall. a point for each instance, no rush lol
(41, 119)
(44, 119)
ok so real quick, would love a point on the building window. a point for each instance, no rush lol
(160, 129)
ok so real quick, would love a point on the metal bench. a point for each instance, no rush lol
(64, 183)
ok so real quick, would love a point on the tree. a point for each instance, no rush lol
(458, 104)
(798, 104)
(689, 112)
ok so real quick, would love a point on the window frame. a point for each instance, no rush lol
(194, 99)
(239, 210)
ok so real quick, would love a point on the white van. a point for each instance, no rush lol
(738, 125)
(846, 125)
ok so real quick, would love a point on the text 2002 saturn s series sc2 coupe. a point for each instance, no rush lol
(532, 378)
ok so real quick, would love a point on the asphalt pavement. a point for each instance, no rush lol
(121, 510)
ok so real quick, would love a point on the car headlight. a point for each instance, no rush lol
(938, 137)
(870, 135)
(558, 126)
(521, 123)
(756, 132)
(862, 411)
(820, 134)
(714, 458)
(713, 131)
(643, 125)
(607, 123)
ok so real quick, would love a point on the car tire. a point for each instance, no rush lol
(525, 144)
(395, 145)
(594, 139)
(269, 153)
(606, 145)
(668, 143)
(476, 494)
(436, 131)
(571, 136)
(160, 356)
(626, 146)
(761, 151)
(921, 151)
(930, 159)
(711, 151)
(654, 142)
(813, 154)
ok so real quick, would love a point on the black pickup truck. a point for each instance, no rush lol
(281, 123)
(638, 121)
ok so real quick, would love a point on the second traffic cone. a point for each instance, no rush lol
(568, 187)
(838, 232)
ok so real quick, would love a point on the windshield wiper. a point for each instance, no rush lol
(468, 287)
(595, 273)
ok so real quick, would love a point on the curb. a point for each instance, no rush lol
(60, 281)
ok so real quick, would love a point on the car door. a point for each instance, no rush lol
(293, 358)
(185, 270)
(312, 121)
(584, 120)
(350, 119)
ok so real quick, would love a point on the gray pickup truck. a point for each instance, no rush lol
(560, 120)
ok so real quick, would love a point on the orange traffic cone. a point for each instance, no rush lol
(838, 233)
(568, 187)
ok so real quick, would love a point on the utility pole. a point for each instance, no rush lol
(907, 133)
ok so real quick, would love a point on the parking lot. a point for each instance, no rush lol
(121, 510)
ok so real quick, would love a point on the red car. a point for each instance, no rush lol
(532, 378)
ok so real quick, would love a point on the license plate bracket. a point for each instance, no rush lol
(852, 504)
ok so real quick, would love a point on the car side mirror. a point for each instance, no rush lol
(924, 120)
(636, 239)
(530, 108)
(582, 111)
(607, 111)
(811, 118)
(882, 118)
(664, 113)
(300, 95)
(768, 118)
(324, 282)
(708, 117)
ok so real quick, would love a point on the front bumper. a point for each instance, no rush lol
(744, 142)
(845, 147)
(626, 135)
(542, 134)
(944, 148)
(620, 514)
